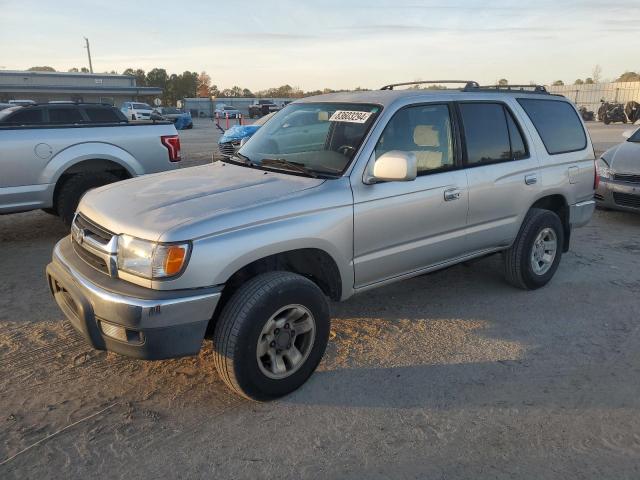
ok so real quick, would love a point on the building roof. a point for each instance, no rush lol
(61, 74)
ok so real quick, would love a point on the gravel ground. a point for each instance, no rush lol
(450, 375)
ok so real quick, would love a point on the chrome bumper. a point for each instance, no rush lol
(118, 316)
(607, 188)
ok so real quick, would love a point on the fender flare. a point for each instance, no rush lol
(67, 158)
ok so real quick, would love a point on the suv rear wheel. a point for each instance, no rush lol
(535, 255)
(271, 335)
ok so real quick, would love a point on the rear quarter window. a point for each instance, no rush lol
(104, 115)
(557, 124)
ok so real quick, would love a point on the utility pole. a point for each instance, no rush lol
(89, 54)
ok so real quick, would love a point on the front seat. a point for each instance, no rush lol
(427, 147)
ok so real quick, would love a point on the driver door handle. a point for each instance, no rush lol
(451, 194)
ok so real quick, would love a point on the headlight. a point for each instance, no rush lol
(150, 259)
(604, 171)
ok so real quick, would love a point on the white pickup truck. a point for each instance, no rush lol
(51, 154)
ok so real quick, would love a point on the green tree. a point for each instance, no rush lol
(141, 77)
(42, 69)
(558, 83)
(629, 77)
(157, 78)
(503, 82)
(579, 82)
(73, 69)
(589, 81)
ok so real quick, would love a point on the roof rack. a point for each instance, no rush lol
(514, 88)
(468, 84)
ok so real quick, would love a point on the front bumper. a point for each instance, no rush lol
(128, 319)
(618, 195)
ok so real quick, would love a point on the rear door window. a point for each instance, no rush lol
(486, 133)
(65, 115)
(557, 124)
(103, 115)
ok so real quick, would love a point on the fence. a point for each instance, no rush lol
(589, 96)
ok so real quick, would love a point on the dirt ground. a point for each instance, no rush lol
(450, 375)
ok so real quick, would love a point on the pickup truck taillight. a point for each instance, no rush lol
(172, 142)
(596, 176)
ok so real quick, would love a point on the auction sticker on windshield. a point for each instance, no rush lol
(352, 116)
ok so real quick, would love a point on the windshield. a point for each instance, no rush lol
(633, 138)
(322, 138)
(141, 106)
(229, 108)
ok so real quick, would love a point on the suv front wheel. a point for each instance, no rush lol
(534, 257)
(271, 335)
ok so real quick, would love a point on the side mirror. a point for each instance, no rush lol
(393, 166)
(244, 140)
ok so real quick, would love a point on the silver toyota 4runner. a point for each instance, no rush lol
(335, 195)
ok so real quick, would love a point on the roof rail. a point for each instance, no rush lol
(467, 83)
(515, 88)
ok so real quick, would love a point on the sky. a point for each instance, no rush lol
(313, 44)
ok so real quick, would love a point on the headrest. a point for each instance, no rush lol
(426, 136)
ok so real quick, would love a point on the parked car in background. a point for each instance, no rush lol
(370, 188)
(619, 171)
(224, 111)
(262, 107)
(233, 138)
(6, 105)
(179, 118)
(51, 154)
(137, 110)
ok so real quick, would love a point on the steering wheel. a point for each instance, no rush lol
(345, 149)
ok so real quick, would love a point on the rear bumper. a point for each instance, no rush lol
(124, 318)
(580, 213)
(605, 195)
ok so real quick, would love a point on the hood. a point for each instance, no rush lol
(238, 132)
(624, 158)
(150, 206)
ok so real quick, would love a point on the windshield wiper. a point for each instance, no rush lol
(243, 159)
(296, 167)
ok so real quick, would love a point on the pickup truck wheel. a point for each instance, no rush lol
(534, 257)
(271, 335)
(75, 187)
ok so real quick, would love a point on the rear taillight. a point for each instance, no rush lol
(172, 142)
(596, 176)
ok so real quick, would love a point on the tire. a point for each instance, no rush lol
(242, 322)
(518, 260)
(75, 187)
(606, 120)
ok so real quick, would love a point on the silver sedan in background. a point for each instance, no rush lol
(619, 172)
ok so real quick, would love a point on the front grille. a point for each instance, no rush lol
(88, 226)
(626, 200)
(627, 177)
(93, 244)
(93, 260)
(226, 149)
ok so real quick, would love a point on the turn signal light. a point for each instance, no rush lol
(174, 260)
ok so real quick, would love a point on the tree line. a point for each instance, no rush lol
(192, 84)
